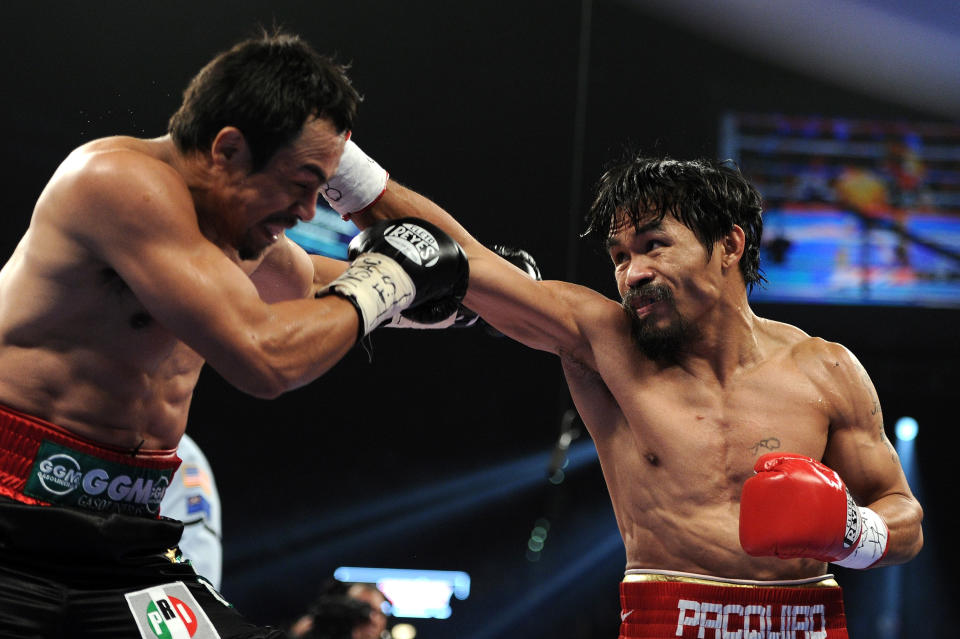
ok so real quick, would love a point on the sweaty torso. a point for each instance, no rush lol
(675, 449)
(76, 346)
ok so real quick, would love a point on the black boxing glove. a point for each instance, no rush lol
(449, 312)
(519, 258)
(399, 264)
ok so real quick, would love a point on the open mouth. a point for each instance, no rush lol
(644, 306)
(274, 231)
(273, 227)
(645, 300)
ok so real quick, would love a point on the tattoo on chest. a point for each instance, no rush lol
(768, 444)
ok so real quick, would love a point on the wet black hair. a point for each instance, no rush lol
(705, 196)
(267, 87)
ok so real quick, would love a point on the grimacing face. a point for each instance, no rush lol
(666, 282)
(285, 191)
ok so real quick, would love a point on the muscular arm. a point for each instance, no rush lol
(858, 449)
(547, 315)
(136, 215)
(288, 273)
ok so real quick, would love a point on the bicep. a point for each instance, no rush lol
(553, 316)
(194, 290)
(858, 447)
(144, 227)
(548, 315)
(325, 270)
(288, 272)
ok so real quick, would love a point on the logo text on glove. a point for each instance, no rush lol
(415, 242)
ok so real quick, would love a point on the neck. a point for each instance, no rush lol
(197, 173)
(725, 340)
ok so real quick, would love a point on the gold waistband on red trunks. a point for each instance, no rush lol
(662, 576)
(44, 464)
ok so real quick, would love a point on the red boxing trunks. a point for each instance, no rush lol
(667, 605)
(43, 464)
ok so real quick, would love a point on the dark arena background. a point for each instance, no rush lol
(442, 451)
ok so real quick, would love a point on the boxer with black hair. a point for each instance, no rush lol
(144, 259)
(684, 390)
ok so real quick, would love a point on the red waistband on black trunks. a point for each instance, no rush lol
(684, 607)
(44, 464)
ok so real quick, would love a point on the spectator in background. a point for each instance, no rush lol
(193, 499)
(344, 611)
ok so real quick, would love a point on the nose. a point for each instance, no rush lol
(306, 207)
(638, 272)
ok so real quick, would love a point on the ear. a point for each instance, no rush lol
(732, 245)
(230, 150)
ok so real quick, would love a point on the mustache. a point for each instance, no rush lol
(648, 293)
(284, 219)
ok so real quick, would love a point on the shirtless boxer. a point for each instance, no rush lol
(145, 258)
(686, 393)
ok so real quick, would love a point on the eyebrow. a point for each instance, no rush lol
(317, 171)
(612, 241)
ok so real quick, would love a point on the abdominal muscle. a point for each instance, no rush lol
(107, 402)
(702, 539)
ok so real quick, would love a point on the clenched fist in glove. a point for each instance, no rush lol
(397, 265)
(797, 507)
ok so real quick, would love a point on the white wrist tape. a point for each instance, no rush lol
(358, 182)
(399, 321)
(378, 287)
(872, 544)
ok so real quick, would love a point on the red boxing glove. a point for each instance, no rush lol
(797, 507)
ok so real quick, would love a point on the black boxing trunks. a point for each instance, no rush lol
(83, 552)
(667, 605)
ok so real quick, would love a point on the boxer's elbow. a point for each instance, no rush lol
(266, 388)
(262, 382)
(905, 530)
(257, 369)
(914, 541)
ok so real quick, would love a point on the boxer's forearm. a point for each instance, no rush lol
(399, 201)
(903, 516)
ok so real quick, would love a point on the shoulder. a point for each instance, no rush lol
(823, 361)
(804, 350)
(108, 171)
(831, 361)
(601, 323)
(119, 189)
(841, 380)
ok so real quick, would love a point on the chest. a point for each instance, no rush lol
(710, 431)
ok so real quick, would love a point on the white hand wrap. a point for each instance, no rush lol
(378, 287)
(872, 544)
(399, 321)
(358, 183)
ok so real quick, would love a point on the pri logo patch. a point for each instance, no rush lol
(169, 612)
